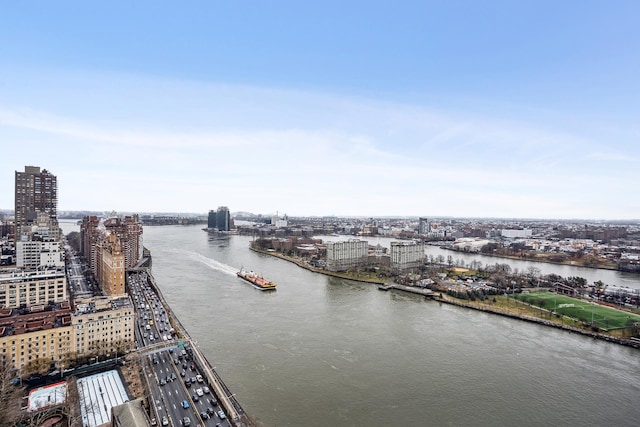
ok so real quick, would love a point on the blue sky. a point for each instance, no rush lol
(468, 109)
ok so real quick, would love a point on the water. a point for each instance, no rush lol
(322, 351)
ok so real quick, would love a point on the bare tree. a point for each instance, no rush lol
(10, 394)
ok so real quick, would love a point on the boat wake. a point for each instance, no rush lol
(213, 264)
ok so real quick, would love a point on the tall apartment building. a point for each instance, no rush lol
(423, 226)
(129, 233)
(36, 334)
(33, 254)
(406, 255)
(35, 191)
(103, 325)
(32, 287)
(90, 235)
(111, 269)
(342, 256)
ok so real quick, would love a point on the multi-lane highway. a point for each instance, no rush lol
(181, 391)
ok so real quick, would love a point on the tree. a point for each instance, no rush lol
(39, 365)
(10, 394)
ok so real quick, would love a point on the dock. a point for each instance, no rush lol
(427, 293)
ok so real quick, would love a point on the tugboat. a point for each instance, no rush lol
(258, 282)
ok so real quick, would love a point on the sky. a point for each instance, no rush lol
(507, 109)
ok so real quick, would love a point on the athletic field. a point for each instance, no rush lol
(602, 316)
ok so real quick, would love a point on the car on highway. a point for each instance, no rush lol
(186, 421)
(213, 401)
(205, 389)
(185, 404)
(199, 392)
(221, 415)
(165, 421)
(204, 415)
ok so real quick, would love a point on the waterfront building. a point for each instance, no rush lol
(103, 325)
(407, 255)
(111, 268)
(34, 254)
(223, 219)
(342, 256)
(36, 335)
(129, 233)
(32, 287)
(35, 191)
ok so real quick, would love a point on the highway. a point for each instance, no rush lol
(173, 374)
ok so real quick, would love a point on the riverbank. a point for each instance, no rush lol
(300, 263)
(569, 262)
(520, 311)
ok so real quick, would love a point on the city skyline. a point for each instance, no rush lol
(492, 110)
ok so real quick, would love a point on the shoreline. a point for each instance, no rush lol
(450, 300)
(494, 310)
(318, 270)
(520, 258)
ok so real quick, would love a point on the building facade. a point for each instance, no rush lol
(32, 287)
(37, 254)
(90, 235)
(103, 325)
(407, 255)
(342, 256)
(111, 269)
(100, 326)
(38, 335)
(35, 191)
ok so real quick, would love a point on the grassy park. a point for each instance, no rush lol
(585, 311)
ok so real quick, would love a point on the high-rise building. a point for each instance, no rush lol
(211, 220)
(111, 269)
(129, 233)
(223, 219)
(36, 192)
(407, 255)
(342, 256)
(424, 227)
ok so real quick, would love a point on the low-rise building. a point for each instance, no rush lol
(42, 334)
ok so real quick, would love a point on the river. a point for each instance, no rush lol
(323, 351)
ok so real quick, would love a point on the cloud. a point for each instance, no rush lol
(307, 153)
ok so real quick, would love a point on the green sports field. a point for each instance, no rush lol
(604, 317)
